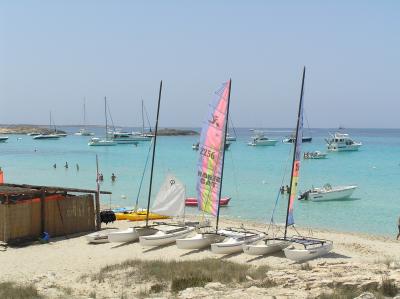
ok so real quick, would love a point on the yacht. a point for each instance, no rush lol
(341, 142)
(259, 139)
(46, 136)
(95, 141)
(83, 131)
(121, 137)
(3, 138)
(328, 192)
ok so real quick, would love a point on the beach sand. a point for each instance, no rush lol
(62, 267)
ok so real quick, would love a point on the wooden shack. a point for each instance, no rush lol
(26, 211)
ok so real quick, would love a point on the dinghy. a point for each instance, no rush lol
(312, 248)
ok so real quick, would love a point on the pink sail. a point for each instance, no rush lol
(211, 148)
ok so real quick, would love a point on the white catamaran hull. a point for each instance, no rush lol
(97, 237)
(199, 241)
(234, 245)
(265, 247)
(335, 193)
(302, 255)
(163, 238)
(122, 236)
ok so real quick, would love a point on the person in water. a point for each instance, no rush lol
(398, 226)
(101, 178)
(66, 165)
(77, 167)
(113, 177)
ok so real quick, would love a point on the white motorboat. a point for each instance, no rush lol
(266, 246)
(84, 132)
(304, 249)
(97, 237)
(3, 138)
(126, 138)
(259, 139)
(341, 142)
(165, 237)
(315, 155)
(235, 244)
(328, 192)
(46, 136)
(95, 141)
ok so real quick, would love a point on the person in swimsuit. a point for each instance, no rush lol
(398, 226)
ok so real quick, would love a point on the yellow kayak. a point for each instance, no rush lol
(138, 216)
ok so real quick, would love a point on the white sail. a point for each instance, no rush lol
(170, 200)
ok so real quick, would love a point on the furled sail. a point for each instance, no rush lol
(296, 158)
(211, 149)
(170, 200)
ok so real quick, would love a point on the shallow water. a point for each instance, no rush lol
(252, 175)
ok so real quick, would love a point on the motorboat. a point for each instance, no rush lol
(266, 246)
(97, 237)
(304, 249)
(292, 138)
(95, 141)
(46, 136)
(125, 138)
(3, 138)
(192, 201)
(340, 142)
(164, 237)
(230, 137)
(235, 244)
(315, 155)
(259, 139)
(328, 192)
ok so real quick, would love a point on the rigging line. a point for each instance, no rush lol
(109, 113)
(147, 117)
(234, 175)
(143, 174)
(233, 127)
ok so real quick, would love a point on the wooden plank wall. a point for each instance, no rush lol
(63, 216)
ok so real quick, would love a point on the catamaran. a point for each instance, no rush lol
(96, 141)
(84, 131)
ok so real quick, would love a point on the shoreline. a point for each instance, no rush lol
(357, 259)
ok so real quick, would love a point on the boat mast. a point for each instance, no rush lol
(295, 148)
(223, 153)
(84, 113)
(105, 114)
(154, 154)
(142, 120)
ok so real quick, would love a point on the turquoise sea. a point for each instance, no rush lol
(252, 175)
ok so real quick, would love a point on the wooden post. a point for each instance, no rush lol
(97, 197)
(42, 210)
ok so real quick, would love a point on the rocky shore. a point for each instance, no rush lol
(26, 129)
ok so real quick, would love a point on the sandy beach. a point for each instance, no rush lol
(64, 267)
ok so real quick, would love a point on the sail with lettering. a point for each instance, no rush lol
(296, 158)
(211, 150)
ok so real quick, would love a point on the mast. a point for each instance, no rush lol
(50, 121)
(154, 154)
(105, 114)
(142, 120)
(295, 149)
(84, 113)
(223, 153)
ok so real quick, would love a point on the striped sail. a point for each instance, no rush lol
(297, 158)
(211, 148)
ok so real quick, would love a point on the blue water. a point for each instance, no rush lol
(252, 175)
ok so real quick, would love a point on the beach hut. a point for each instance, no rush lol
(29, 211)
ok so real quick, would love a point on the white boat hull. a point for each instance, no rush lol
(270, 142)
(101, 142)
(97, 238)
(3, 139)
(344, 148)
(49, 136)
(335, 193)
(198, 241)
(123, 236)
(265, 247)
(234, 245)
(302, 255)
(163, 238)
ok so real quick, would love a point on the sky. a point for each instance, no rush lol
(55, 53)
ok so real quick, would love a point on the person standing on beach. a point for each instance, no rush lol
(398, 226)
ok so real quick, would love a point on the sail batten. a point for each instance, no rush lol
(211, 151)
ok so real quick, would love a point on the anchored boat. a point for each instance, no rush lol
(341, 142)
(96, 141)
(259, 139)
(328, 192)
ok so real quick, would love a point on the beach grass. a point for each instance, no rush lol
(11, 290)
(179, 275)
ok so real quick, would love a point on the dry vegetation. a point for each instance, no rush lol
(10, 290)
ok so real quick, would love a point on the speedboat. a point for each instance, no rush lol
(327, 192)
(341, 142)
(266, 246)
(192, 201)
(304, 249)
(46, 136)
(3, 138)
(95, 141)
(315, 155)
(259, 139)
